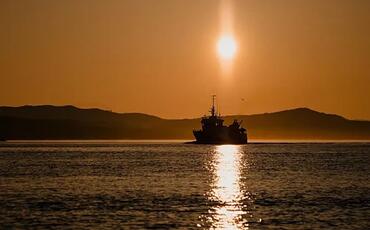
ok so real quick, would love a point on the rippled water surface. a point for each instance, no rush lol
(173, 185)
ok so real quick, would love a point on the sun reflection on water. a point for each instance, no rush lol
(227, 170)
(226, 188)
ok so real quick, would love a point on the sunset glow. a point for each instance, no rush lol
(226, 47)
(165, 58)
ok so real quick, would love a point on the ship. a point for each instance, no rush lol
(214, 131)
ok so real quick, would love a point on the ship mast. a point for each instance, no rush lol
(213, 110)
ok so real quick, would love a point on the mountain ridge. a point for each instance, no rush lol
(70, 122)
(72, 107)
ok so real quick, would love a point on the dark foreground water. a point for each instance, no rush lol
(122, 185)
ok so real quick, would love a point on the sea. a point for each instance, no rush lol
(172, 185)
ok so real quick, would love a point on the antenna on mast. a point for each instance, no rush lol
(218, 108)
(213, 110)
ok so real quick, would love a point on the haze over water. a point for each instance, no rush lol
(173, 185)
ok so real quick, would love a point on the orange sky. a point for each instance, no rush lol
(159, 57)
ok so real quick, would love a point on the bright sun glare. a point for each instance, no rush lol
(226, 47)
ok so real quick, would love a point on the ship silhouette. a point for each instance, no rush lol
(215, 132)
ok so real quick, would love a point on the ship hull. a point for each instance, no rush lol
(219, 138)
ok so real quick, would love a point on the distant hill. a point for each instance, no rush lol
(69, 122)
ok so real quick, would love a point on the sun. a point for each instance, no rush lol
(226, 47)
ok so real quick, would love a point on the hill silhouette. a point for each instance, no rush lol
(69, 122)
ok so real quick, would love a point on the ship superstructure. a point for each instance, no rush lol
(215, 132)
